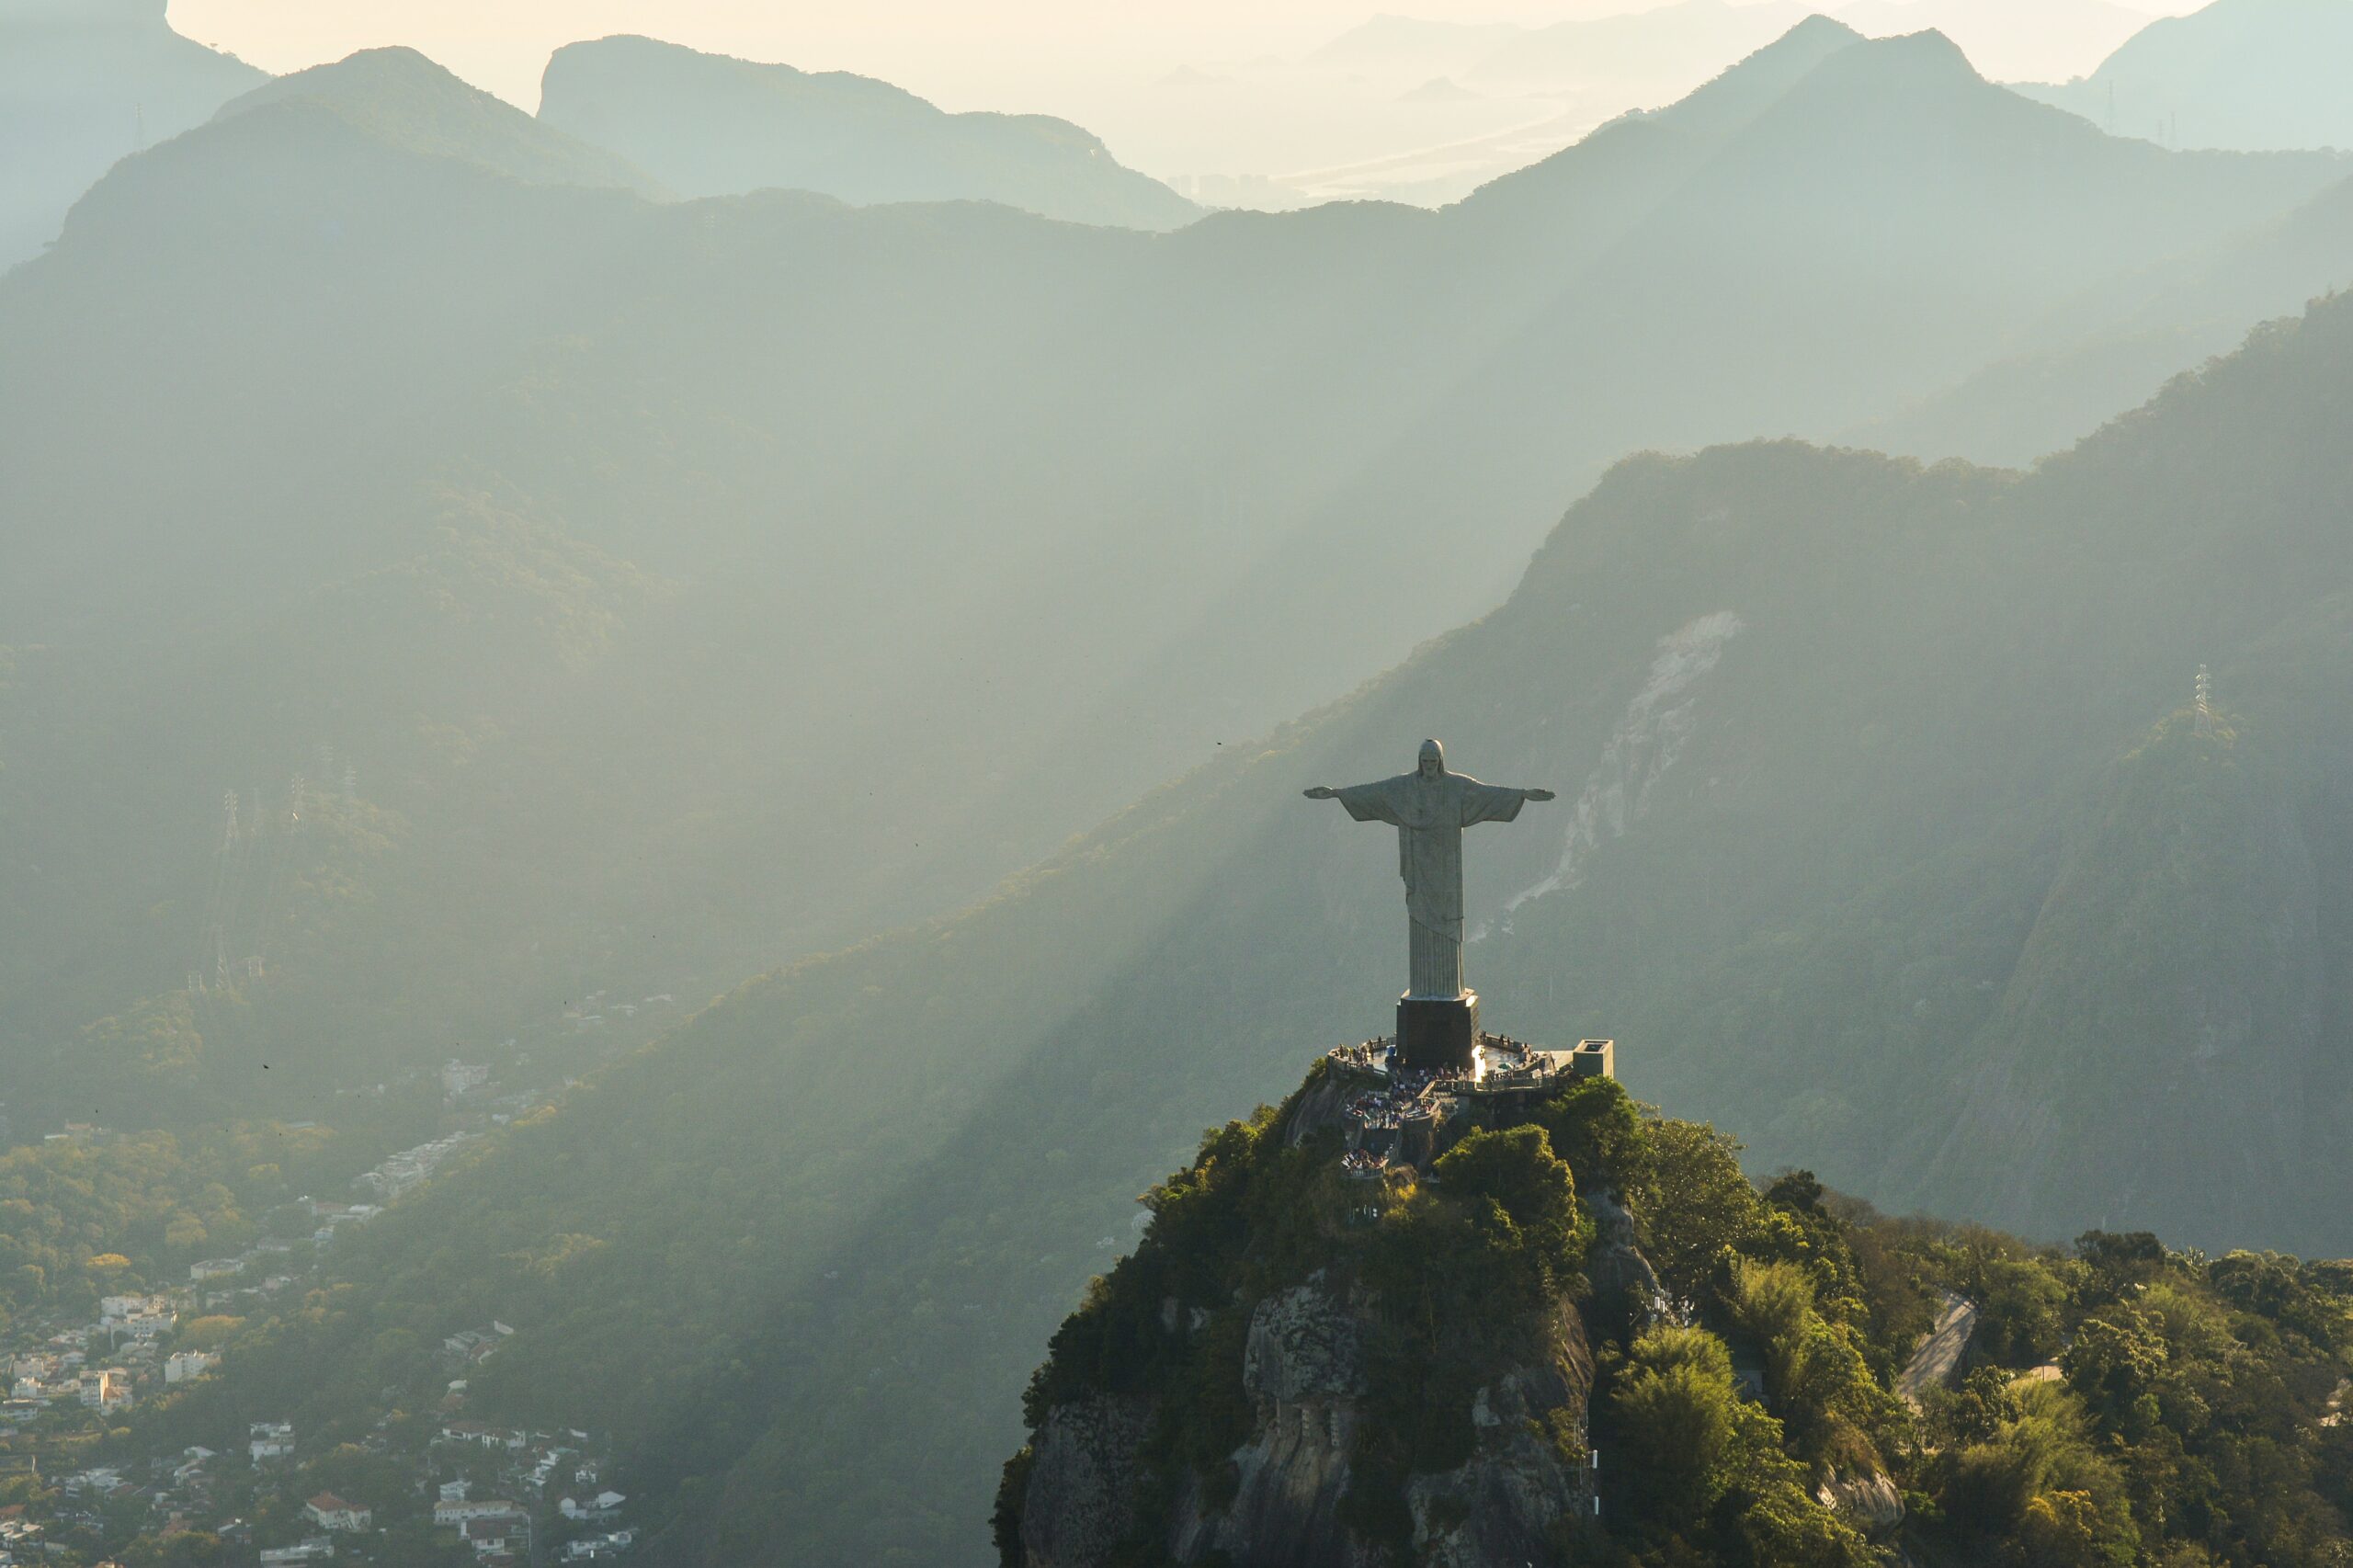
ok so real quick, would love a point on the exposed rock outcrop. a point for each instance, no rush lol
(1323, 1104)
(1616, 1266)
(1871, 1503)
(1304, 1366)
(1081, 1495)
(1508, 1502)
(1303, 1369)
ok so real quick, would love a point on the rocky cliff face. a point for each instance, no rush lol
(1513, 1499)
(1327, 1352)
(1303, 1369)
(1080, 1502)
(1320, 1359)
(1306, 1373)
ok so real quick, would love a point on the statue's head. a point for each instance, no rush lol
(1433, 759)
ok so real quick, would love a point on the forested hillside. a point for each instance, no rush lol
(692, 586)
(1875, 917)
(1581, 1336)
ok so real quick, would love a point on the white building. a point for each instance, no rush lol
(603, 1505)
(182, 1365)
(270, 1440)
(330, 1512)
(107, 1388)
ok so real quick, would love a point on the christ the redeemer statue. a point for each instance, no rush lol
(1436, 1018)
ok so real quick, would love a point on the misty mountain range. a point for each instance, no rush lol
(83, 85)
(709, 126)
(657, 579)
(1112, 466)
(2247, 74)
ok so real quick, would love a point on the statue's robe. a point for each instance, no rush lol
(1429, 815)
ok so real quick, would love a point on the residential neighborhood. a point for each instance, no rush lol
(85, 1480)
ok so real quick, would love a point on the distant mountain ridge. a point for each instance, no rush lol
(1094, 500)
(708, 125)
(2241, 73)
(82, 85)
(2006, 39)
(1661, 49)
(2124, 340)
(399, 97)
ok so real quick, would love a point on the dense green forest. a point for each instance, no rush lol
(2123, 1401)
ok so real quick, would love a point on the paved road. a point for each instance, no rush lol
(1939, 1357)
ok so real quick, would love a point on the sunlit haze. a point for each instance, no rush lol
(683, 687)
(1221, 89)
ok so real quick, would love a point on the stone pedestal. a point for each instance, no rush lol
(1436, 1034)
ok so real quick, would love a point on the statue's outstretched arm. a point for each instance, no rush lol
(1322, 793)
(1537, 795)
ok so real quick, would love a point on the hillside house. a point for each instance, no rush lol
(495, 1538)
(106, 1389)
(182, 1365)
(270, 1440)
(330, 1512)
(600, 1509)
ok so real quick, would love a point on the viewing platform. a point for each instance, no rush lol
(1392, 1113)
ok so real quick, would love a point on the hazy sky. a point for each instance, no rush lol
(1107, 64)
(501, 44)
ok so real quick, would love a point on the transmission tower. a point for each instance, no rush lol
(2205, 708)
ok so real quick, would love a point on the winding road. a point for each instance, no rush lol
(1939, 1356)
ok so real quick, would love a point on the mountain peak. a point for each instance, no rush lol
(1818, 27)
(714, 125)
(642, 50)
(388, 64)
(409, 100)
(1753, 85)
(1926, 56)
(83, 82)
(2249, 74)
